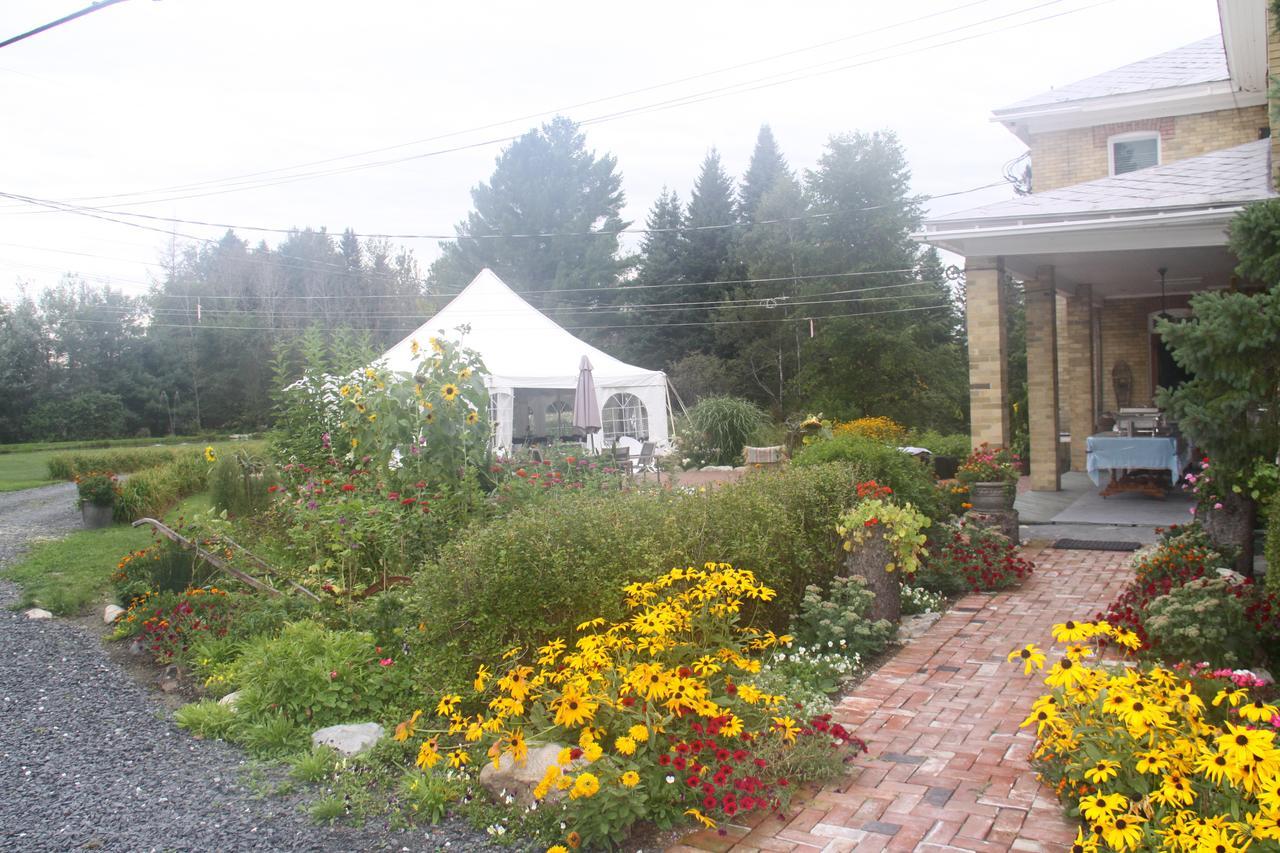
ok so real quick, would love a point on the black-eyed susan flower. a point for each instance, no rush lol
(1124, 832)
(1030, 656)
(1072, 632)
(1103, 770)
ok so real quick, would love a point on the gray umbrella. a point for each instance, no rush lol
(586, 406)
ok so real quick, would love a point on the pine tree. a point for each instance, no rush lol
(546, 182)
(766, 169)
(711, 208)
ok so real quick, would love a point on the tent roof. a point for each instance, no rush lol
(521, 346)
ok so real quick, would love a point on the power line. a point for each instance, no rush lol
(101, 4)
(541, 113)
(767, 81)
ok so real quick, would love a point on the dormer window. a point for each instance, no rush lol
(1130, 152)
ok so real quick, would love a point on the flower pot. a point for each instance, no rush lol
(95, 516)
(991, 497)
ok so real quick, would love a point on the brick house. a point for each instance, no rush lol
(1134, 170)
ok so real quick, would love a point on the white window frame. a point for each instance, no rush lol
(622, 411)
(1132, 137)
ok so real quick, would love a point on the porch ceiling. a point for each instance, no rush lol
(1132, 272)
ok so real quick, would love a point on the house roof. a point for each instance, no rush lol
(1203, 61)
(1227, 177)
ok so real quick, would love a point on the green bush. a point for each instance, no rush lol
(207, 719)
(68, 466)
(239, 483)
(837, 619)
(911, 480)
(957, 445)
(98, 488)
(312, 676)
(717, 428)
(151, 492)
(86, 415)
(1202, 620)
(1271, 550)
(534, 574)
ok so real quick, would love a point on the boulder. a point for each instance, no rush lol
(350, 738)
(914, 627)
(230, 699)
(111, 613)
(519, 780)
(170, 679)
(1232, 577)
(38, 613)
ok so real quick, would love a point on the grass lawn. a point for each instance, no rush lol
(67, 576)
(24, 470)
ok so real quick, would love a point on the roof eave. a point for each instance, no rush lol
(1109, 231)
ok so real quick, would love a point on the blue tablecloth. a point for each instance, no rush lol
(1109, 452)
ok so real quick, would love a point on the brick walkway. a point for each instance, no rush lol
(947, 768)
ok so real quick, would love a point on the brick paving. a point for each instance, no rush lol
(948, 766)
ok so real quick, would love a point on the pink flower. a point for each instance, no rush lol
(333, 673)
(385, 662)
(1192, 510)
(1218, 505)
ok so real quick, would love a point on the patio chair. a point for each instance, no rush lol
(648, 461)
(622, 459)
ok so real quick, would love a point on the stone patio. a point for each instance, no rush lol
(948, 766)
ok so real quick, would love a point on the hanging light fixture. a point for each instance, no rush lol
(1164, 315)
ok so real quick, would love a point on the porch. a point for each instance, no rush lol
(1090, 259)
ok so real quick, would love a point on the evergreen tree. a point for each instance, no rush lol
(766, 169)
(546, 182)
(711, 207)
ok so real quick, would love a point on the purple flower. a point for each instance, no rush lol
(311, 504)
(324, 439)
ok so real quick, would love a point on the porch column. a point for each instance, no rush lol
(1042, 379)
(1079, 372)
(988, 351)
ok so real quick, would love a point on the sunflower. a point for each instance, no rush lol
(473, 417)
(449, 392)
(209, 455)
(1030, 657)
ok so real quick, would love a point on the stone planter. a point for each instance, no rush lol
(95, 516)
(991, 497)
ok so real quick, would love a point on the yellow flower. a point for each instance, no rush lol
(404, 730)
(557, 848)
(1072, 632)
(464, 374)
(630, 779)
(414, 347)
(458, 758)
(209, 455)
(701, 818)
(428, 754)
(473, 417)
(1084, 843)
(1124, 833)
(585, 786)
(1030, 657)
(435, 344)
(574, 707)
(447, 703)
(787, 727)
(1128, 639)
(1258, 711)
(592, 751)
(625, 745)
(638, 733)
(449, 392)
(1102, 806)
(482, 677)
(1242, 744)
(1102, 771)
(1066, 673)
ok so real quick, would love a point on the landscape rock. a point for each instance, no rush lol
(170, 679)
(38, 613)
(914, 627)
(111, 613)
(1230, 576)
(519, 780)
(350, 738)
(230, 699)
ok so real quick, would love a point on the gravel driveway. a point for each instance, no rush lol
(89, 759)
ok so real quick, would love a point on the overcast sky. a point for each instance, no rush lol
(146, 95)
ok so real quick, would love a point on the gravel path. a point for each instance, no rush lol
(90, 759)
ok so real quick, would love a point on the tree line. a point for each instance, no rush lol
(799, 289)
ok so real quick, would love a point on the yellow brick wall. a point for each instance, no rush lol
(1061, 158)
(1125, 338)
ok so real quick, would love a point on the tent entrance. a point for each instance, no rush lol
(543, 416)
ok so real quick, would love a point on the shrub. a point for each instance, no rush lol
(67, 466)
(1181, 557)
(86, 415)
(881, 429)
(968, 557)
(1200, 621)
(312, 676)
(524, 579)
(427, 796)
(717, 428)
(911, 480)
(239, 484)
(100, 488)
(955, 445)
(837, 620)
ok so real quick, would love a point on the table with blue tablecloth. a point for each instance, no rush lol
(1130, 454)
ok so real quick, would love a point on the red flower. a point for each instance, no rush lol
(407, 502)
(348, 487)
(393, 496)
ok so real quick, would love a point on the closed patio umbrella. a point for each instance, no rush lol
(586, 406)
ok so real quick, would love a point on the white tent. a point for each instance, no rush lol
(532, 367)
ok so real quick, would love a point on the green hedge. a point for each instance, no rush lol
(67, 466)
(151, 492)
(540, 571)
(910, 479)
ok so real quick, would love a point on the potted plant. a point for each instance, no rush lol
(97, 492)
(991, 473)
